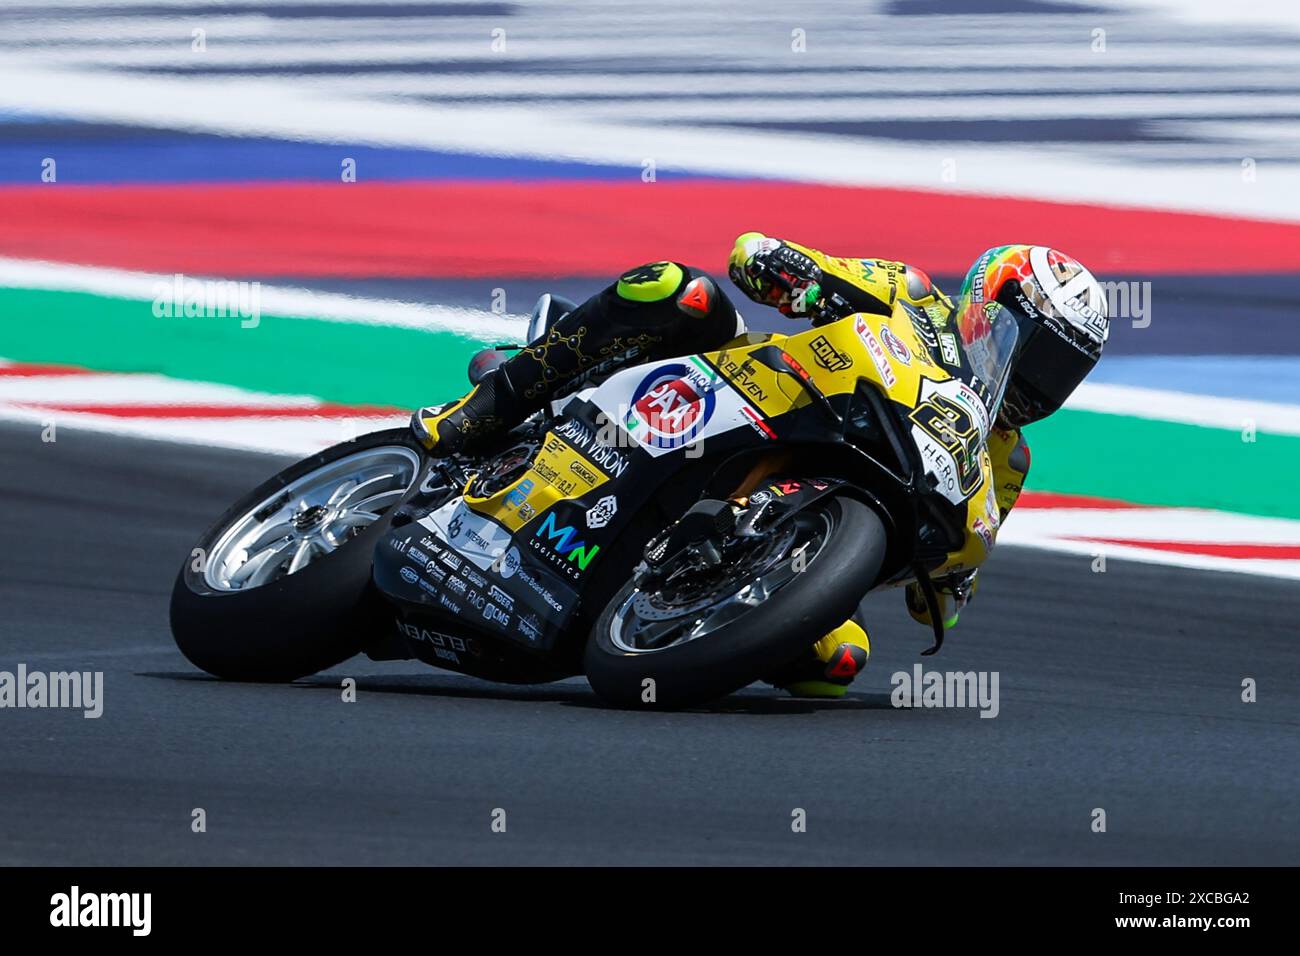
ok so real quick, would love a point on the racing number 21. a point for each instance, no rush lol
(952, 427)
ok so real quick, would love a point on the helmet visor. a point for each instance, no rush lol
(1049, 367)
(989, 333)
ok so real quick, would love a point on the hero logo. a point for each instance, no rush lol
(565, 544)
(670, 406)
(600, 514)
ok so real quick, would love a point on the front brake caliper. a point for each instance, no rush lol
(702, 521)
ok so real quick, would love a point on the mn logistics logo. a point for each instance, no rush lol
(74, 909)
(563, 547)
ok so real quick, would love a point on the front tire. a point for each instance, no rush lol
(279, 587)
(794, 610)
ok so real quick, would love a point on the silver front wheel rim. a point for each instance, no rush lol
(313, 515)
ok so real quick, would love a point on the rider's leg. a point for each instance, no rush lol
(655, 311)
(830, 667)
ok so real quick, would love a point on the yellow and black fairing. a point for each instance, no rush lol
(907, 365)
(557, 523)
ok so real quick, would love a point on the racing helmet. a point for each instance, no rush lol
(1060, 312)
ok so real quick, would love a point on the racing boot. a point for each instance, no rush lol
(831, 666)
(657, 310)
(489, 409)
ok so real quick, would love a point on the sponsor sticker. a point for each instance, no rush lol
(602, 512)
(563, 547)
(671, 405)
(475, 537)
(608, 459)
(501, 597)
(948, 349)
(896, 346)
(828, 356)
(877, 353)
(530, 627)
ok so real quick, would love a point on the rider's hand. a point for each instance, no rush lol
(773, 273)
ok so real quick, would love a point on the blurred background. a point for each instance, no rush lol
(394, 183)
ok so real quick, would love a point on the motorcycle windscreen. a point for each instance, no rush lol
(989, 334)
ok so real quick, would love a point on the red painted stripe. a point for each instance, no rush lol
(32, 371)
(1271, 552)
(551, 228)
(1051, 499)
(222, 411)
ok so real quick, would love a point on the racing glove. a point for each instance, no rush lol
(773, 273)
(954, 593)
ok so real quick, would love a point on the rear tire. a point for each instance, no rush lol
(297, 624)
(762, 639)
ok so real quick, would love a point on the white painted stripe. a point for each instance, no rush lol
(132, 389)
(295, 436)
(982, 89)
(842, 48)
(1153, 107)
(1236, 414)
(1057, 529)
(482, 325)
(1255, 566)
(279, 107)
(1190, 525)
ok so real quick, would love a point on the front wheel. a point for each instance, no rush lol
(279, 587)
(688, 634)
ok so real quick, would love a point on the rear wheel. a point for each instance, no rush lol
(278, 588)
(693, 631)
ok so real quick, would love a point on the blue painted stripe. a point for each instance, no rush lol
(1260, 377)
(98, 155)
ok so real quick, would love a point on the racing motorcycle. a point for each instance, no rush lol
(674, 532)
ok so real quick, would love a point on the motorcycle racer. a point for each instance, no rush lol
(666, 309)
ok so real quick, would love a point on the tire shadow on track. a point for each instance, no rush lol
(752, 704)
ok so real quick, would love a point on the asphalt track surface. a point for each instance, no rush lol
(1119, 690)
